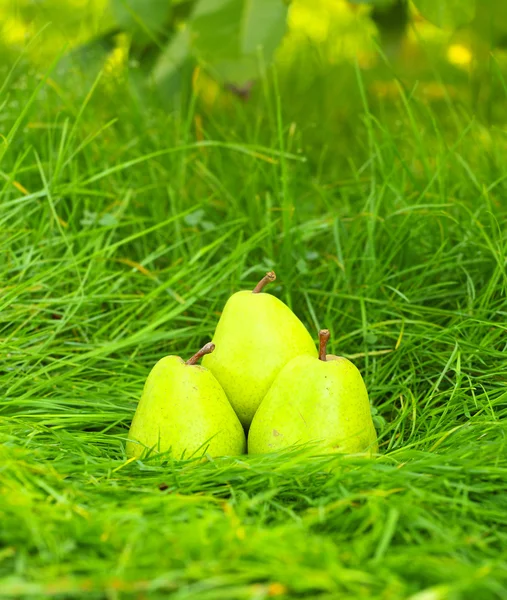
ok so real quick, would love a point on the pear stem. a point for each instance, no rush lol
(206, 349)
(268, 278)
(324, 336)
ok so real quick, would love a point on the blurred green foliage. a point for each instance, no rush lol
(168, 46)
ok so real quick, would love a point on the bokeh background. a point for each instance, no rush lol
(438, 53)
(146, 63)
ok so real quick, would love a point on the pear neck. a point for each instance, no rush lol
(268, 278)
(324, 336)
(206, 349)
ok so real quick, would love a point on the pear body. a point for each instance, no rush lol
(256, 336)
(315, 401)
(184, 409)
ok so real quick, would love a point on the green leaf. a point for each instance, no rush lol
(490, 21)
(167, 70)
(142, 18)
(229, 35)
(373, 2)
(80, 67)
(263, 26)
(447, 13)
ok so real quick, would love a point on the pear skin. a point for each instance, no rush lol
(184, 409)
(322, 400)
(256, 336)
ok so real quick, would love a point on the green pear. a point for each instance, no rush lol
(184, 409)
(322, 400)
(256, 336)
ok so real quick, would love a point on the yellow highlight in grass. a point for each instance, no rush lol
(276, 589)
(13, 31)
(459, 55)
(20, 187)
(127, 462)
(136, 265)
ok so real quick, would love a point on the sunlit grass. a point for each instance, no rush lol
(125, 226)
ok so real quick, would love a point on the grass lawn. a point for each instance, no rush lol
(123, 230)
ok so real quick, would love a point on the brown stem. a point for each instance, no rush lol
(268, 278)
(206, 349)
(324, 336)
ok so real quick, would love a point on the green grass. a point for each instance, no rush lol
(120, 242)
